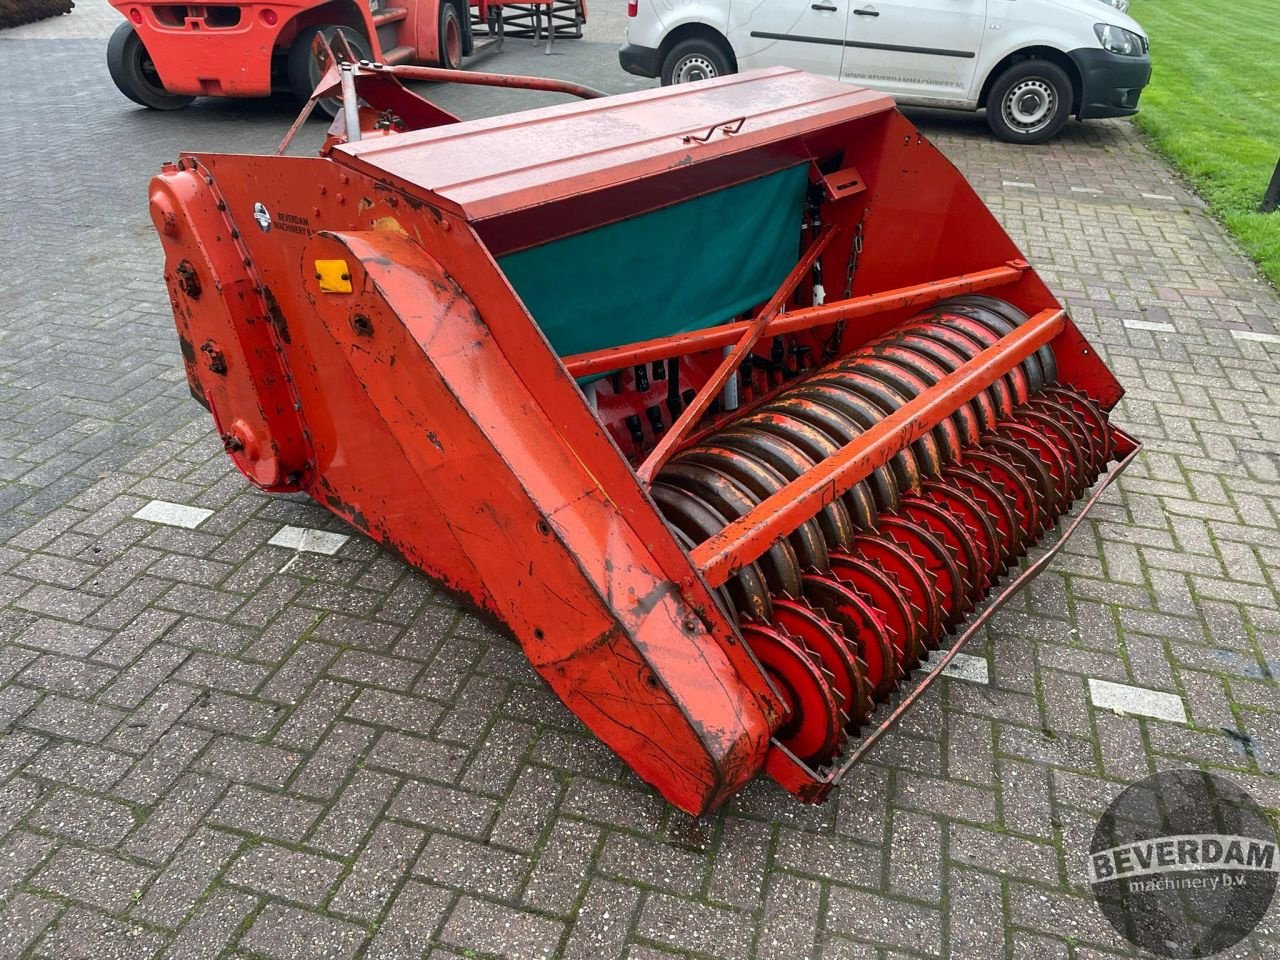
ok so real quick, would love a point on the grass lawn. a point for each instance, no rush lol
(1213, 107)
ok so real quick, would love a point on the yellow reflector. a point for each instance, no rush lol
(334, 276)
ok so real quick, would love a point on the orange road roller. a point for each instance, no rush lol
(731, 400)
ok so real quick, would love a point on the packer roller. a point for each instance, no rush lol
(731, 400)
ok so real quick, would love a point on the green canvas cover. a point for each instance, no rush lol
(687, 266)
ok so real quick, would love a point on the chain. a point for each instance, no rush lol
(855, 250)
(837, 333)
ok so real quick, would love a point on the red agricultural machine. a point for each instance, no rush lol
(731, 400)
(166, 54)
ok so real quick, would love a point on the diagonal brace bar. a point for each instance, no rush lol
(747, 538)
(729, 365)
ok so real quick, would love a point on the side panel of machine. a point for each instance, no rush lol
(422, 434)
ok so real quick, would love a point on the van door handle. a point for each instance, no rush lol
(824, 6)
(867, 13)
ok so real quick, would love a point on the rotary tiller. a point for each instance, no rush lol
(731, 400)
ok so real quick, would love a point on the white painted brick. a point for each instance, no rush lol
(1018, 183)
(962, 667)
(1137, 701)
(308, 540)
(174, 514)
(1158, 196)
(1092, 190)
(1255, 337)
(1134, 324)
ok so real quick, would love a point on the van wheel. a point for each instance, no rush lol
(1029, 102)
(695, 59)
(135, 75)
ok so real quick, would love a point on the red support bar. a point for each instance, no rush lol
(441, 75)
(615, 358)
(729, 365)
(747, 538)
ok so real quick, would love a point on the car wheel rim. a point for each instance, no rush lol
(694, 68)
(1030, 105)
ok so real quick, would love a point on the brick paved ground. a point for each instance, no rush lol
(213, 746)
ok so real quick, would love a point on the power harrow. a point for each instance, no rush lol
(731, 400)
(14, 13)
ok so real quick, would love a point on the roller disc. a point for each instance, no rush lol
(779, 564)
(951, 497)
(860, 623)
(903, 631)
(915, 582)
(944, 568)
(836, 651)
(1089, 444)
(996, 507)
(1041, 448)
(813, 728)
(790, 461)
(1013, 485)
(883, 481)
(759, 481)
(1088, 411)
(699, 522)
(1030, 467)
(953, 533)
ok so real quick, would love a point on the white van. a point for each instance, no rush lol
(1031, 63)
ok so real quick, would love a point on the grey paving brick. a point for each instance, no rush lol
(287, 933)
(378, 870)
(562, 867)
(183, 806)
(24, 919)
(248, 762)
(251, 810)
(92, 820)
(181, 885)
(277, 871)
(211, 928)
(355, 811)
(875, 919)
(444, 808)
(412, 922)
(688, 925)
(20, 854)
(81, 933)
(486, 927)
(602, 923)
(93, 878)
(472, 866)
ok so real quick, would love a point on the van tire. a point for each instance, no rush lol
(1029, 102)
(695, 59)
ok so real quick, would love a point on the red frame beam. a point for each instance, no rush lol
(729, 365)
(747, 538)
(615, 358)
(441, 75)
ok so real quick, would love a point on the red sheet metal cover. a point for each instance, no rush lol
(490, 167)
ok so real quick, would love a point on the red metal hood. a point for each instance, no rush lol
(502, 166)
